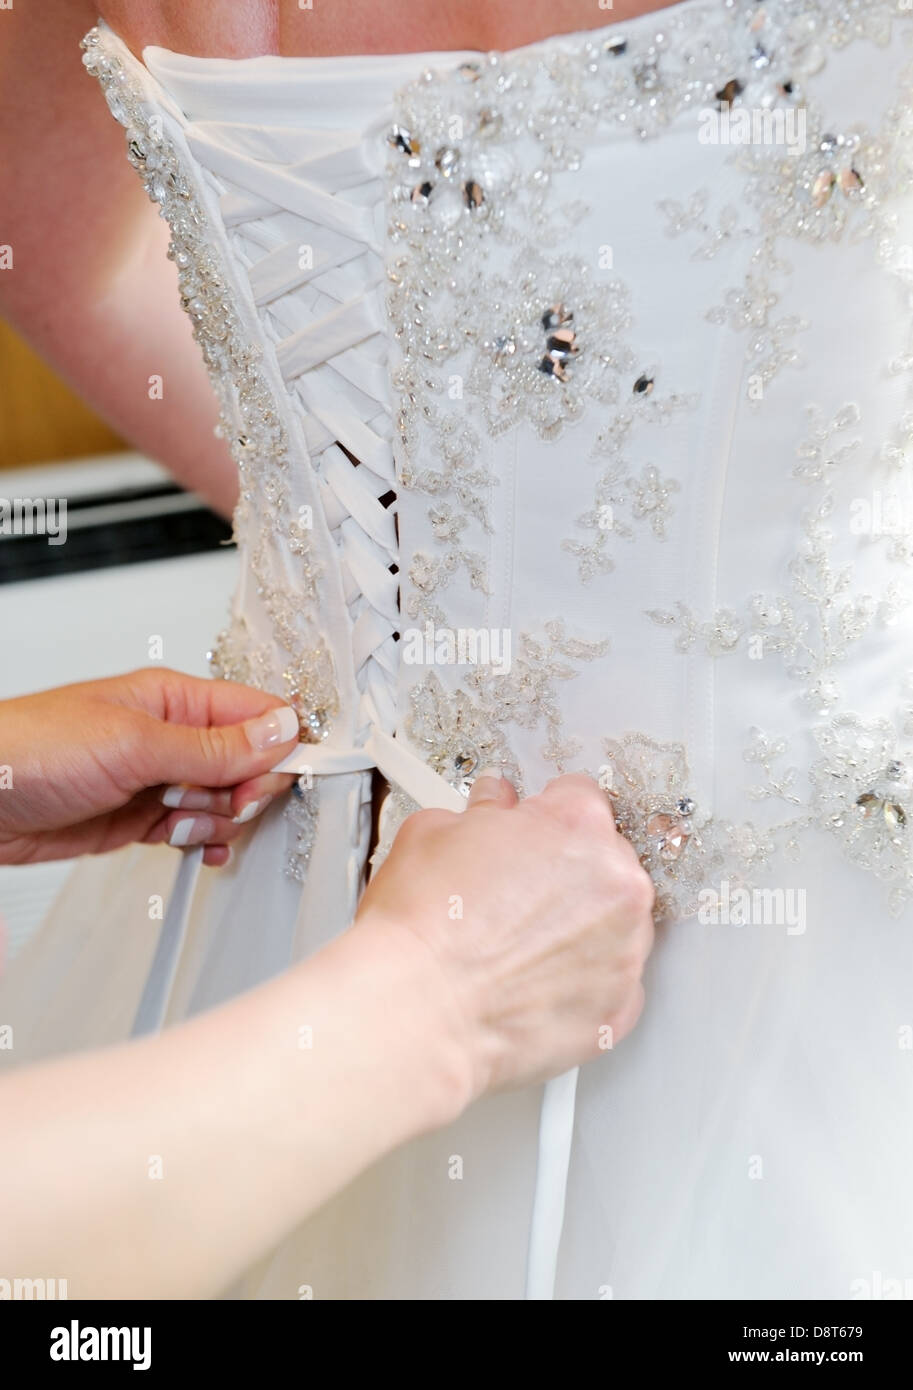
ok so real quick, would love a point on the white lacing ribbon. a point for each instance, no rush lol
(400, 765)
(324, 314)
(340, 339)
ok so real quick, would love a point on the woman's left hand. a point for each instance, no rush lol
(152, 756)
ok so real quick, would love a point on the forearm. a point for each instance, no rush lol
(164, 1167)
(127, 349)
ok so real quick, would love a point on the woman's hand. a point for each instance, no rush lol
(88, 768)
(494, 947)
(536, 918)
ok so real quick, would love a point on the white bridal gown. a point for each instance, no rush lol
(628, 377)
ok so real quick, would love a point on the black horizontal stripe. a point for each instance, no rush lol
(133, 540)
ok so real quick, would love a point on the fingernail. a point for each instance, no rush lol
(279, 726)
(253, 808)
(192, 830)
(490, 772)
(186, 799)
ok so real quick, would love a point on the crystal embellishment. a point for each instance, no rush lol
(296, 661)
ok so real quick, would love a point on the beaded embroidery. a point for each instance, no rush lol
(458, 734)
(539, 327)
(682, 847)
(626, 503)
(813, 627)
(860, 788)
(249, 420)
(476, 154)
(839, 184)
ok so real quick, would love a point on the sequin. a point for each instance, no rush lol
(891, 812)
(823, 187)
(400, 139)
(851, 181)
(446, 160)
(684, 853)
(733, 88)
(670, 834)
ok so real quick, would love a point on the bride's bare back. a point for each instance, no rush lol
(225, 28)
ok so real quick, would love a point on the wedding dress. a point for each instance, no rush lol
(551, 349)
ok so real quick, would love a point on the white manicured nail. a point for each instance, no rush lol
(279, 726)
(253, 808)
(490, 772)
(182, 832)
(191, 830)
(187, 798)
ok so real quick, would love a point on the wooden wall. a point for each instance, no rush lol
(41, 420)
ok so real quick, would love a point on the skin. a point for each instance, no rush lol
(140, 736)
(555, 931)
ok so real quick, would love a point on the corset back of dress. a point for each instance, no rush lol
(517, 353)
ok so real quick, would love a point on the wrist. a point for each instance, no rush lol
(427, 1016)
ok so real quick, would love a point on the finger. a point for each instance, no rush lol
(133, 821)
(182, 829)
(577, 801)
(181, 699)
(217, 856)
(218, 755)
(492, 788)
(183, 798)
(251, 798)
(229, 801)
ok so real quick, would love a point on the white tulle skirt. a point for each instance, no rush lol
(752, 1138)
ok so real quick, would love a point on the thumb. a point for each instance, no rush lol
(219, 755)
(491, 788)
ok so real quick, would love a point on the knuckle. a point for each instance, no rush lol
(148, 674)
(580, 798)
(644, 891)
(154, 678)
(132, 745)
(214, 744)
(630, 963)
(591, 802)
(636, 894)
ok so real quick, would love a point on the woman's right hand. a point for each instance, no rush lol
(538, 917)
